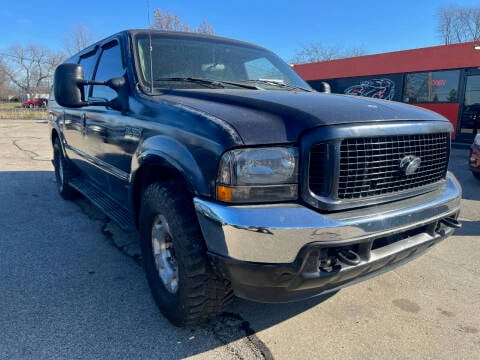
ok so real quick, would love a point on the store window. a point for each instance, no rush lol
(432, 87)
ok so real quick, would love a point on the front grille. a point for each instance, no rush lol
(319, 169)
(370, 166)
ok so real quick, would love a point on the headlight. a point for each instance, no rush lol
(477, 140)
(258, 174)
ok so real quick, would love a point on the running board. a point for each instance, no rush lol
(109, 206)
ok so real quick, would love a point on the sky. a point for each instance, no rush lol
(282, 26)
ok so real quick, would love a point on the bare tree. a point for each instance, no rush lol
(4, 83)
(31, 68)
(79, 38)
(168, 21)
(173, 22)
(317, 52)
(205, 28)
(458, 24)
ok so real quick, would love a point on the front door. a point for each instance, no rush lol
(469, 122)
(109, 141)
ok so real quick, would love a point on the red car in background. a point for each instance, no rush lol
(37, 102)
(474, 158)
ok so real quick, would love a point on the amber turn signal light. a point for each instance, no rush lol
(224, 193)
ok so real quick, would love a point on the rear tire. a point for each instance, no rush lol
(64, 171)
(183, 283)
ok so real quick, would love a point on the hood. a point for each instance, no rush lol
(265, 117)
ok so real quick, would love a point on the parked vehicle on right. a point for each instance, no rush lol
(474, 158)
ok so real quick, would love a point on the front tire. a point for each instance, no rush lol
(181, 279)
(63, 172)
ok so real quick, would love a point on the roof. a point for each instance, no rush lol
(442, 57)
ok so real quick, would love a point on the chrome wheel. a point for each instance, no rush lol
(164, 254)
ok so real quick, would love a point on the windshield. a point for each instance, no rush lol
(183, 62)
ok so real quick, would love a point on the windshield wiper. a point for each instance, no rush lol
(208, 82)
(278, 84)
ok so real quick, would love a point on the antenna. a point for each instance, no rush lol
(150, 48)
(148, 14)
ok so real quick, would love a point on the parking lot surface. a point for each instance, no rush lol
(71, 286)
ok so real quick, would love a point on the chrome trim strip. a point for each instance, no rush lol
(276, 233)
(102, 165)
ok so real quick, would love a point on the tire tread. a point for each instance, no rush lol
(202, 294)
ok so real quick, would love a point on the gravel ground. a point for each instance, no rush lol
(71, 287)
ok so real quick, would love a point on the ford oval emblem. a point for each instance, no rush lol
(409, 164)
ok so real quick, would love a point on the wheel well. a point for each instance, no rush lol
(152, 173)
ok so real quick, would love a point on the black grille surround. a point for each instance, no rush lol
(355, 169)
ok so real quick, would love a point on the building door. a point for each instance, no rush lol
(469, 122)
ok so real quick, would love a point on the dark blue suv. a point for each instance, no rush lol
(239, 177)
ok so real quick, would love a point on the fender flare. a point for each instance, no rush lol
(166, 151)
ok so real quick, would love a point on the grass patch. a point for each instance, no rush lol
(10, 105)
(21, 113)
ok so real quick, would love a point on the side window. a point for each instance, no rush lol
(109, 66)
(87, 62)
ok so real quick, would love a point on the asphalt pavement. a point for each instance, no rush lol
(71, 287)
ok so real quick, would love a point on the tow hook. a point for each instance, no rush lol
(348, 257)
(451, 222)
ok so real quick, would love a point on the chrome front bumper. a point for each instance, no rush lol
(275, 234)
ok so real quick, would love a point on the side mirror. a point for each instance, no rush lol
(68, 85)
(325, 87)
(68, 88)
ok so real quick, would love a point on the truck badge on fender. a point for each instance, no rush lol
(131, 132)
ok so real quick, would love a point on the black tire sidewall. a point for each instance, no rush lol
(63, 186)
(57, 159)
(163, 198)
